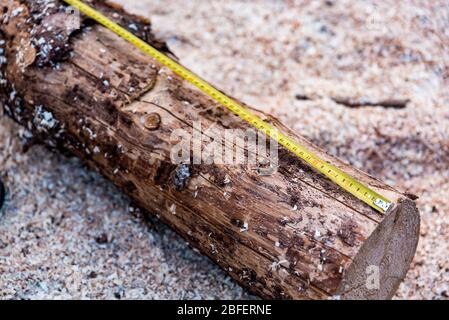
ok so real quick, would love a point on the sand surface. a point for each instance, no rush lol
(65, 232)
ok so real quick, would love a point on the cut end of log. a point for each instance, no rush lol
(384, 259)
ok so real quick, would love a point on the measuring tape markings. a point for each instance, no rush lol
(342, 179)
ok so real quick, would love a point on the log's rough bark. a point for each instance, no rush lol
(82, 90)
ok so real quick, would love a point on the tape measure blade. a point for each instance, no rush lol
(348, 183)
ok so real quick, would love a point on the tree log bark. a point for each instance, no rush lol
(289, 235)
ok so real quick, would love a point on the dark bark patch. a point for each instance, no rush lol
(130, 187)
(52, 44)
(182, 176)
(163, 174)
(347, 234)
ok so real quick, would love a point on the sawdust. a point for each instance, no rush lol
(266, 53)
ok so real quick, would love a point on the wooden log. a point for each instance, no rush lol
(289, 235)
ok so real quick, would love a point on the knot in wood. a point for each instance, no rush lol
(152, 121)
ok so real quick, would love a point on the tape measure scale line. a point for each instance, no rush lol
(342, 179)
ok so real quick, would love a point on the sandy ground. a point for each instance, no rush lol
(68, 233)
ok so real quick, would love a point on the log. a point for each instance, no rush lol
(289, 235)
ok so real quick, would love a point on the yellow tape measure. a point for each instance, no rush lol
(336, 175)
